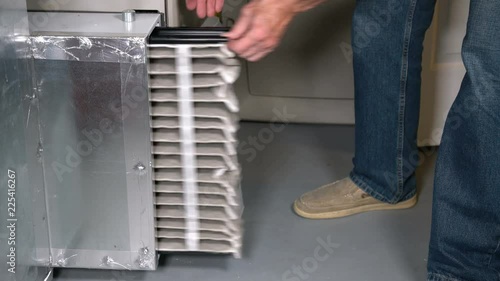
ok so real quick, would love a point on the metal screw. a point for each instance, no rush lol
(39, 151)
(140, 167)
(128, 15)
(107, 261)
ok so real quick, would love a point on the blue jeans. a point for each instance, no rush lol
(387, 49)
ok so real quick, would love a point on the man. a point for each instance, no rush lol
(465, 238)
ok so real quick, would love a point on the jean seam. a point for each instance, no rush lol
(366, 188)
(491, 258)
(439, 277)
(402, 99)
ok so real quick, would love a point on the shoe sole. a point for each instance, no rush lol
(357, 210)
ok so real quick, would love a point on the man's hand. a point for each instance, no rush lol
(260, 28)
(205, 8)
(262, 24)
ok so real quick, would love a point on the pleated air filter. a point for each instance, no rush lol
(194, 123)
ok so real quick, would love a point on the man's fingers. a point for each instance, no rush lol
(242, 25)
(251, 51)
(219, 5)
(260, 55)
(258, 51)
(243, 45)
(259, 29)
(191, 4)
(201, 8)
(205, 8)
(211, 8)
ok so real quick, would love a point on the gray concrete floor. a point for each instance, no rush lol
(379, 246)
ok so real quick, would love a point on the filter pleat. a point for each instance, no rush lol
(194, 121)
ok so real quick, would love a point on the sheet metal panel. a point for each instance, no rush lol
(91, 78)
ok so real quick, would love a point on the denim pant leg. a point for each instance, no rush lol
(387, 45)
(465, 238)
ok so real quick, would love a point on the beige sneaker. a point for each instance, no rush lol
(340, 199)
